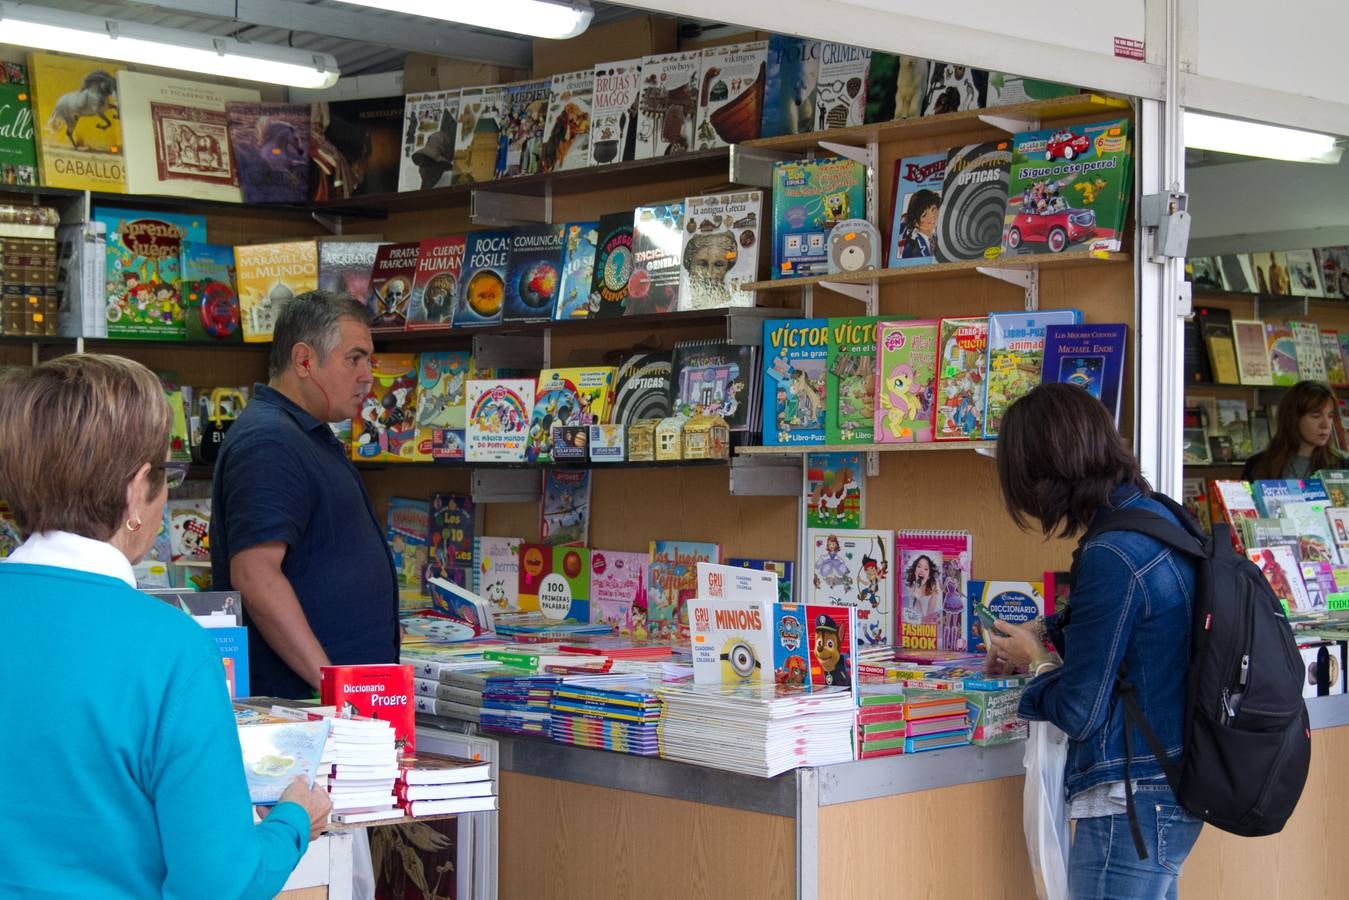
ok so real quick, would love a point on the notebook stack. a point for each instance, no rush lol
(518, 703)
(934, 719)
(365, 767)
(445, 785)
(880, 720)
(607, 712)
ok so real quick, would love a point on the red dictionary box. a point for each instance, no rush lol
(376, 692)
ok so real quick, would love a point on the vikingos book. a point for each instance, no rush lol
(853, 568)
(1016, 346)
(566, 134)
(440, 261)
(613, 112)
(669, 104)
(429, 123)
(522, 132)
(578, 271)
(271, 150)
(1090, 356)
(721, 250)
(713, 378)
(656, 244)
(672, 581)
(850, 379)
(270, 276)
(841, 98)
(482, 287)
(906, 365)
(962, 375)
(916, 208)
(391, 280)
(78, 123)
(973, 199)
(934, 568)
(809, 198)
(534, 274)
(210, 303)
(790, 86)
(794, 359)
(730, 95)
(613, 266)
(144, 252)
(18, 143)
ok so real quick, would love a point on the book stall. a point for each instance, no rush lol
(692, 348)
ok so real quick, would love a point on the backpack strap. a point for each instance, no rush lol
(1133, 716)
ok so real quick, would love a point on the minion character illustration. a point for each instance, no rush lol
(828, 650)
(738, 662)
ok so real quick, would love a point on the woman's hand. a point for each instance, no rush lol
(1020, 646)
(313, 800)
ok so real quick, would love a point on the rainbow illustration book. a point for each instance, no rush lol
(906, 364)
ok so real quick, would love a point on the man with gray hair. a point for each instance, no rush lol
(292, 527)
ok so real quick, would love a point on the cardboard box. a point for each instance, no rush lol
(425, 72)
(625, 39)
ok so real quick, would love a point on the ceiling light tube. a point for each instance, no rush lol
(536, 18)
(1225, 135)
(169, 48)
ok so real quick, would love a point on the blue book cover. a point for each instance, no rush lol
(232, 642)
(795, 352)
(809, 197)
(1016, 350)
(534, 272)
(483, 280)
(784, 568)
(792, 71)
(210, 303)
(917, 200)
(1270, 495)
(791, 645)
(275, 752)
(1089, 356)
(578, 270)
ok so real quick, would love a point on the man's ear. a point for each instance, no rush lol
(302, 357)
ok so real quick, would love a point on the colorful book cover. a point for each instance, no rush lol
(1090, 356)
(795, 357)
(429, 123)
(482, 112)
(1330, 348)
(642, 388)
(498, 419)
(1069, 188)
(1215, 327)
(210, 304)
(713, 378)
(914, 211)
(613, 266)
(189, 526)
(386, 429)
(449, 539)
(1283, 358)
(953, 88)
(935, 568)
(1280, 567)
(852, 568)
(391, 279)
(613, 111)
(730, 95)
(176, 134)
(77, 115)
(566, 397)
(721, 250)
(850, 381)
(482, 285)
(275, 752)
(657, 241)
(732, 641)
(533, 274)
(522, 131)
(790, 85)
(841, 97)
(834, 634)
(1252, 354)
(835, 489)
(809, 197)
(578, 271)
(270, 142)
(1311, 360)
(566, 133)
(1335, 484)
(267, 277)
(962, 376)
(1016, 348)
(617, 582)
(374, 692)
(791, 645)
(441, 414)
(344, 266)
(355, 147)
(1308, 522)
(672, 580)
(906, 363)
(409, 523)
(895, 87)
(1271, 273)
(555, 581)
(1272, 494)
(496, 571)
(973, 197)
(435, 284)
(144, 258)
(1017, 602)
(1334, 265)
(669, 104)
(564, 516)
(18, 144)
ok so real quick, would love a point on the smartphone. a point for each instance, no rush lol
(986, 618)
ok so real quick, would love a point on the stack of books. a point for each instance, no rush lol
(452, 692)
(993, 717)
(364, 769)
(445, 785)
(880, 720)
(533, 624)
(518, 703)
(607, 712)
(756, 728)
(934, 719)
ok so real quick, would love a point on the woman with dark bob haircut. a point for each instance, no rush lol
(124, 777)
(1062, 464)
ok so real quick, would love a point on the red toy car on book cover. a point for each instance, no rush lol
(1066, 145)
(1058, 228)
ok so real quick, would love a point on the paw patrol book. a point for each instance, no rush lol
(833, 636)
(566, 397)
(566, 133)
(906, 366)
(498, 419)
(934, 568)
(441, 415)
(578, 271)
(794, 360)
(851, 567)
(435, 285)
(732, 640)
(386, 429)
(809, 197)
(144, 253)
(482, 285)
(534, 272)
(78, 123)
(850, 381)
(962, 345)
(268, 276)
(914, 213)
(1016, 349)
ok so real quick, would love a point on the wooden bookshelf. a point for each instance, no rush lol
(934, 446)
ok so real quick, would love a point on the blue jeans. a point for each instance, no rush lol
(1104, 864)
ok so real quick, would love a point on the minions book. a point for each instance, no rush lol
(566, 397)
(1016, 349)
(386, 428)
(268, 276)
(852, 567)
(934, 568)
(732, 641)
(391, 280)
(962, 375)
(534, 274)
(482, 287)
(672, 581)
(441, 416)
(809, 197)
(144, 260)
(1089, 356)
(498, 419)
(78, 122)
(653, 286)
(850, 381)
(578, 271)
(795, 356)
(210, 303)
(435, 285)
(906, 366)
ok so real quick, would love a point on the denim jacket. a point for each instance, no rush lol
(1131, 603)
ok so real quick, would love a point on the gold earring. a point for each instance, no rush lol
(133, 524)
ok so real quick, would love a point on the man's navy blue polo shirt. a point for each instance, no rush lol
(283, 476)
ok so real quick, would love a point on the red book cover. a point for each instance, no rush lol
(376, 692)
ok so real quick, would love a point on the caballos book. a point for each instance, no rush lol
(721, 250)
(498, 419)
(441, 413)
(973, 200)
(144, 251)
(268, 277)
(809, 198)
(496, 571)
(344, 266)
(566, 133)
(1016, 346)
(906, 364)
(850, 380)
(730, 94)
(613, 112)
(482, 113)
(482, 285)
(429, 123)
(841, 93)
(672, 581)
(657, 241)
(790, 85)
(732, 640)
(440, 261)
(522, 132)
(915, 210)
(795, 355)
(578, 271)
(1090, 356)
(177, 136)
(391, 280)
(270, 142)
(962, 345)
(669, 104)
(714, 378)
(642, 387)
(374, 692)
(613, 266)
(18, 144)
(578, 396)
(851, 567)
(386, 428)
(78, 121)
(533, 275)
(934, 567)
(210, 303)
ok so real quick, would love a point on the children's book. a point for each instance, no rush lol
(1308, 522)
(450, 531)
(835, 490)
(617, 581)
(730, 95)
(614, 110)
(344, 266)
(973, 198)
(386, 428)
(210, 303)
(657, 241)
(850, 380)
(852, 568)
(841, 95)
(672, 581)
(18, 145)
(435, 285)
(189, 525)
(784, 569)
(934, 570)
(790, 85)
(915, 209)
(1215, 326)
(1283, 356)
(714, 378)
(906, 366)
(482, 113)
(144, 252)
(565, 513)
(276, 751)
(717, 582)
(578, 271)
(613, 266)
(496, 571)
(642, 388)
(953, 88)
(1231, 501)
(1005, 89)
(1017, 602)
(498, 419)
(668, 117)
(232, 643)
(1252, 354)
(1233, 422)
(962, 361)
(441, 414)
(810, 196)
(566, 133)
(834, 635)
(1016, 346)
(1333, 263)
(391, 281)
(534, 272)
(408, 526)
(895, 87)
(75, 150)
(267, 277)
(1280, 568)
(721, 250)
(795, 356)
(430, 120)
(732, 640)
(1311, 360)
(1090, 356)
(566, 397)
(270, 142)
(482, 285)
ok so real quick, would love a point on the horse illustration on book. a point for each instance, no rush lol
(96, 97)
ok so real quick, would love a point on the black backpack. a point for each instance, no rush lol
(1247, 738)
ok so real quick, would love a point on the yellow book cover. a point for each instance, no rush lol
(386, 429)
(177, 136)
(78, 122)
(577, 396)
(1223, 355)
(268, 275)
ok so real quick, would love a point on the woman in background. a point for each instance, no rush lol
(1303, 429)
(124, 778)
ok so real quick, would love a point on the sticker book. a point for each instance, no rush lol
(962, 344)
(1016, 348)
(906, 364)
(852, 568)
(496, 571)
(795, 356)
(566, 397)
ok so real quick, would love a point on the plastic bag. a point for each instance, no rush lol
(1045, 810)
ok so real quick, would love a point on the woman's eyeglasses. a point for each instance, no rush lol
(175, 472)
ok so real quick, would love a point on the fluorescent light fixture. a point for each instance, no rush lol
(537, 18)
(170, 48)
(1205, 132)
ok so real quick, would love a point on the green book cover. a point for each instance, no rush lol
(850, 381)
(18, 151)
